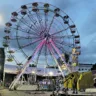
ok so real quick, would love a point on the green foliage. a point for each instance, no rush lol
(93, 67)
(85, 82)
(32, 65)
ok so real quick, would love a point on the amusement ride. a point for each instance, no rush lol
(41, 33)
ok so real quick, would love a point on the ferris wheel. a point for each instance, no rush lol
(41, 34)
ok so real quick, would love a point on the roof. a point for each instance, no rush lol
(84, 64)
(87, 65)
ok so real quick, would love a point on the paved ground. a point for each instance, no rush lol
(6, 92)
(82, 94)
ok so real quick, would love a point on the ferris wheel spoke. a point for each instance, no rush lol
(15, 59)
(51, 23)
(36, 32)
(58, 51)
(53, 54)
(27, 25)
(17, 50)
(53, 49)
(46, 58)
(60, 47)
(37, 49)
(39, 53)
(65, 36)
(23, 37)
(32, 20)
(46, 20)
(49, 50)
(22, 20)
(27, 31)
(31, 43)
(62, 43)
(34, 26)
(39, 20)
(18, 28)
(60, 31)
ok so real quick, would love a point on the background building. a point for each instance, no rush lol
(84, 67)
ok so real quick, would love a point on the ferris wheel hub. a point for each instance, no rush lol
(46, 35)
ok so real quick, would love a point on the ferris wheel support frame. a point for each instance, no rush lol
(29, 60)
(49, 47)
(25, 66)
(57, 50)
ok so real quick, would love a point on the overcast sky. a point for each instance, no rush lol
(82, 12)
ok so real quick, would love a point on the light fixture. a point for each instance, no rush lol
(33, 72)
(50, 73)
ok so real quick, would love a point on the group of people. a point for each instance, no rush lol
(60, 86)
(74, 84)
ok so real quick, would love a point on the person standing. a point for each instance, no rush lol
(95, 83)
(75, 91)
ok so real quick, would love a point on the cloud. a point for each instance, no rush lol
(89, 27)
(87, 59)
(5, 12)
(88, 53)
(82, 12)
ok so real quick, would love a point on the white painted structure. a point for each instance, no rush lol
(12, 69)
(84, 67)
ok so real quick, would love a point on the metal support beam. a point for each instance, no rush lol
(25, 65)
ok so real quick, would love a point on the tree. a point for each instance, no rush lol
(93, 67)
(32, 65)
